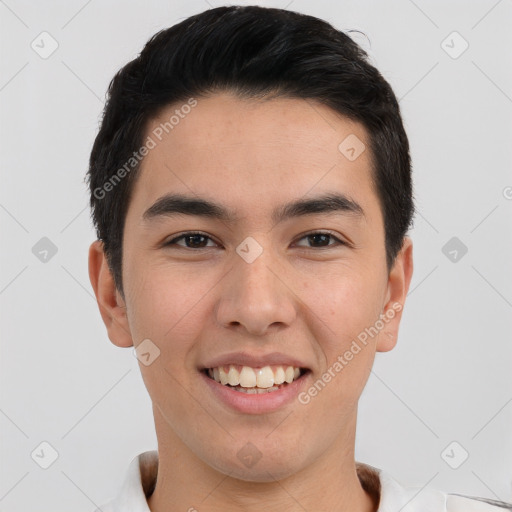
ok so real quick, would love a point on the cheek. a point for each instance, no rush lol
(346, 304)
(343, 313)
(165, 300)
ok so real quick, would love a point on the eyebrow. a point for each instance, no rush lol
(171, 205)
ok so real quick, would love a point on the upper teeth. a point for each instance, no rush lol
(248, 377)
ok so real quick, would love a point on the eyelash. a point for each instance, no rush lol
(192, 233)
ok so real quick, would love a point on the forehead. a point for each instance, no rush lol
(252, 152)
(224, 120)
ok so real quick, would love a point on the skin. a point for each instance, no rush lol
(297, 297)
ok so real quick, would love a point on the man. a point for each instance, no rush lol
(251, 190)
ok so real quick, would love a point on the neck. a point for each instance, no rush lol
(328, 484)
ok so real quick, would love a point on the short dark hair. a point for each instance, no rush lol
(254, 52)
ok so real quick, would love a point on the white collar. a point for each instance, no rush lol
(140, 480)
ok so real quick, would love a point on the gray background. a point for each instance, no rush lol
(448, 379)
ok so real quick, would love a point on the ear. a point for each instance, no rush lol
(110, 302)
(399, 280)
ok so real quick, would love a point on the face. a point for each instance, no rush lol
(256, 284)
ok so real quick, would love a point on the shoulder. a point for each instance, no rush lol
(461, 503)
(391, 495)
(139, 482)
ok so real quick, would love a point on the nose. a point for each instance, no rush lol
(256, 296)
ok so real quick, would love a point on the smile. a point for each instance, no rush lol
(255, 380)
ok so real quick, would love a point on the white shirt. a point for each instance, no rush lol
(140, 480)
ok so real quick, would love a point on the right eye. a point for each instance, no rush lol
(192, 239)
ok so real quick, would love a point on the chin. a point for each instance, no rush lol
(252, 465)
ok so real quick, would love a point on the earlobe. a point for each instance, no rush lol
(111, 305)
(399, 280)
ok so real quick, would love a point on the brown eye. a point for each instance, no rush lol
(321, 239)
(192, 240)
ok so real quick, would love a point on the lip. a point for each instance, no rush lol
(256, 403)
(254, 361)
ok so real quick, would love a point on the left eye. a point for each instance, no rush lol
(323, 239)
(193, 240)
